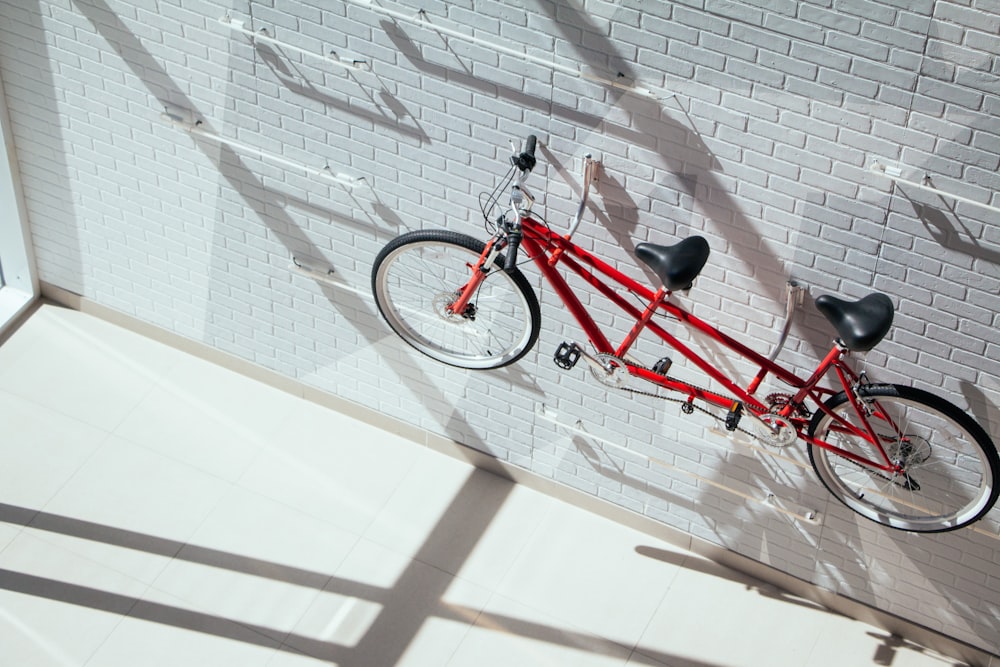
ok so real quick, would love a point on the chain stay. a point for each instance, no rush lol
(753, 435)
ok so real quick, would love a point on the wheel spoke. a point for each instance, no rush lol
(947, 465)
(417, 277)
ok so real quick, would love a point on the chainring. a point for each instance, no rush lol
(616, 375)
(785, 436)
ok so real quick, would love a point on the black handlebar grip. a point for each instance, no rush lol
(510, 261)
(526, 160)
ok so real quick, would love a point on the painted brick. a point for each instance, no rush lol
(765, 150)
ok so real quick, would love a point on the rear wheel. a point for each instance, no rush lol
(418, 275)
(948, 466)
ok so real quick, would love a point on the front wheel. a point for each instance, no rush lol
(418, 275)
(946, 465)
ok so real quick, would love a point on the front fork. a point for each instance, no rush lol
(486, 259)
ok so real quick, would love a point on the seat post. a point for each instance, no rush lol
(836, 353)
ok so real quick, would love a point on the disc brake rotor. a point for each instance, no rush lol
(443, 301)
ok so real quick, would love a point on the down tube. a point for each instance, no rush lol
(565, 292)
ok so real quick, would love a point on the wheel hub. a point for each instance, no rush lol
(442, 306)
(909, 450)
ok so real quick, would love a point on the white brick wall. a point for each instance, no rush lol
(780, 109)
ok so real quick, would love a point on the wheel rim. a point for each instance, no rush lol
(418, 281)
(946, 481)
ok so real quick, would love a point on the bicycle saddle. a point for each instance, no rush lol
(860, 324)
(676, 265)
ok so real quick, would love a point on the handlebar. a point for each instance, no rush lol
(513, 242)
(526, 160)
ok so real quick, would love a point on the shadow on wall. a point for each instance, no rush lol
(948, 229)
(679, 146)
(688, 156)
(952, 233)
(393, 117)
(270, 208)
(955, 234)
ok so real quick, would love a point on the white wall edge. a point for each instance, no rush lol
(19, 286)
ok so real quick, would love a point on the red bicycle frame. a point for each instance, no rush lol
(548, 250)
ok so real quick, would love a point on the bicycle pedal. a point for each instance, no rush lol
(733, 416)
(567, 354)
(662, 366)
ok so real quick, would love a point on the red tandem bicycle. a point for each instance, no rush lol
(898, 455)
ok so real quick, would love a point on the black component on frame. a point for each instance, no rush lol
(733, 416)
(566, 356)
(513, 242)
(662, 366)
(526, 160)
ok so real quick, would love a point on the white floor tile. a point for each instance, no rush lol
(57, 608)
(715, 615)
(88, 369)
(510, 633)
(868, 645)
(331, 466)
(128, 487)
(259, 536)
(208, 417)
(466, 522)
(586, 571)
(8, 531)
(41, 450)
(164, 633)
(157, 510)
(255, 562)
(383, 608)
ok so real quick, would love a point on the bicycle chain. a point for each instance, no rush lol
(682, 401)
(711, 414)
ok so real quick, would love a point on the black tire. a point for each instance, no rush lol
(419, 273)
(951, 467)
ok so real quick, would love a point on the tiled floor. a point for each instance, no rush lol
(156, 509)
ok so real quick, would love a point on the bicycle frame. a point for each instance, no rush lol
(548, 250)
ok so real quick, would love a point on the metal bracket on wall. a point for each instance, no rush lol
(325, 275)
(262, 36)
(770, 501)
(184, 119)
(420, 19)
(895, 174)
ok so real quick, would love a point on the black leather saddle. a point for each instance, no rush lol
(860, 324)
(676, 265)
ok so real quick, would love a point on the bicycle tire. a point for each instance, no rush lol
(419, 273)
(951, 465)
